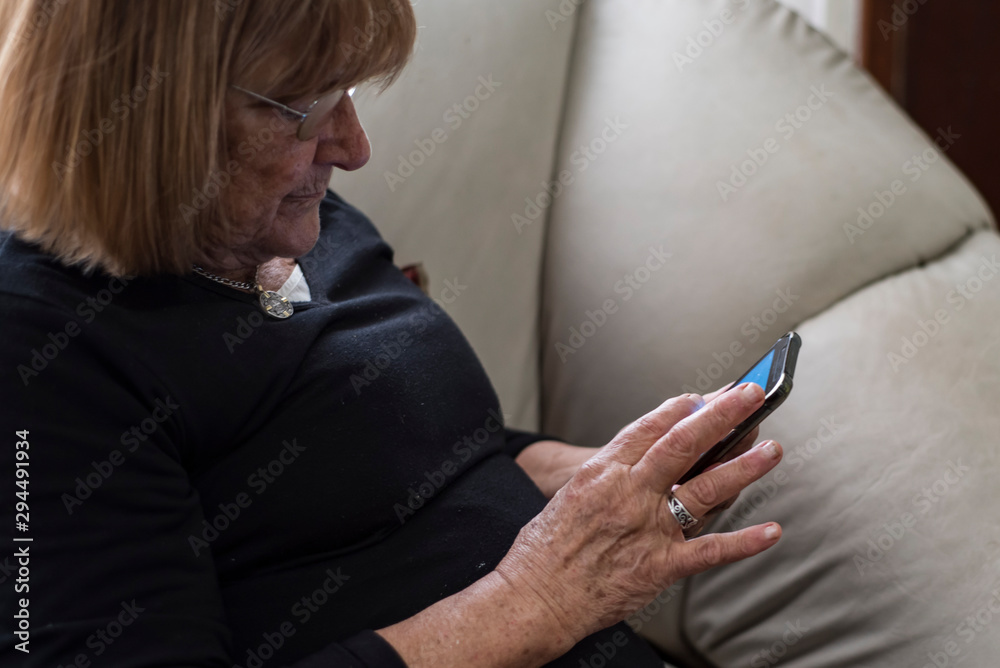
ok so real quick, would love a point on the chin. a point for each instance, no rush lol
(296, 235)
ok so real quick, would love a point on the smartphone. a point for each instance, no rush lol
(773, 372)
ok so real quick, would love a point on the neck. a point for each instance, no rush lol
(274, 273)
(271, 274)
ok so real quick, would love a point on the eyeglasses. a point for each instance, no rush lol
(311, 118)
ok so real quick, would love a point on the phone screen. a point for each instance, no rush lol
(760, 374)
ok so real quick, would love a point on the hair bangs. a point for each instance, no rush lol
(326, 44)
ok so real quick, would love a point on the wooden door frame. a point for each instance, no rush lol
(883, 43)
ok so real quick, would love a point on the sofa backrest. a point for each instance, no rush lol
(686, 125)
(733, 174)
(459, 142)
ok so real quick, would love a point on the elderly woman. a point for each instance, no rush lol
(205, 475)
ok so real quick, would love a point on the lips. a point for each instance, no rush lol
(316, 189)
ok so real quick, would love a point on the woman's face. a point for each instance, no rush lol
(277, 180)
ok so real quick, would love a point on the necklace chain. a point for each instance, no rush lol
(228, 281)
(272, 303)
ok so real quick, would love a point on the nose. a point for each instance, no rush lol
(342, 141)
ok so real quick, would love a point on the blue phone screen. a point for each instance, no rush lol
(760, 373)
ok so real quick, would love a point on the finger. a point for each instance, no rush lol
(700, 554)
(725, 505)
(710, 515)
(633, 441)
(706, 491)
(739, 449)
(667, 459)
(743, 446)
(718, 393)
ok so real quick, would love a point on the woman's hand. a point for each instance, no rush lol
(603, 548)
(607, 544)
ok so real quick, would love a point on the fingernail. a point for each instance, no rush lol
(771, 449)
(772, 532)
(751, 392)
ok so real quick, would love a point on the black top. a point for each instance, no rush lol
(211, 487)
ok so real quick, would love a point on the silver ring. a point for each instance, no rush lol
(680, 513)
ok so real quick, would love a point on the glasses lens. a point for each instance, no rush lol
(319, 113)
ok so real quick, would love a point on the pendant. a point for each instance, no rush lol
(275, 305)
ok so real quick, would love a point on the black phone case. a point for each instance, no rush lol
(786, 355)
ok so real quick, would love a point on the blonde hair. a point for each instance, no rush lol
(112, 119)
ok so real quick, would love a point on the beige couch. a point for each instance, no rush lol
(634, 198)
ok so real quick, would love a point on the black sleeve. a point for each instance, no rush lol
(517, 440)
(108, 573)
(364, 650)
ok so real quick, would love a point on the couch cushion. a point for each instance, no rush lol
(458, 142)
(887, 493)
(711, 208)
